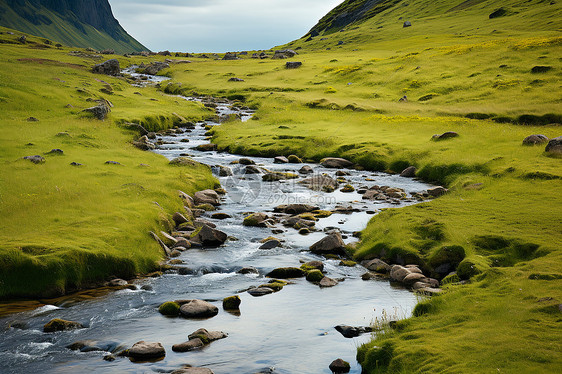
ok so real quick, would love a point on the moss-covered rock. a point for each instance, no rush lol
(206, 207)
(169, 308)
(446, 259)
(314, 276)
(231, 302)
(347, 188)
(58, 324)
(472, 266)
(293, 159)
(348, 263)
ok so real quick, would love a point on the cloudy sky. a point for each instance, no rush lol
(218, 25)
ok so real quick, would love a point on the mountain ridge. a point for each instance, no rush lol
(86, 23)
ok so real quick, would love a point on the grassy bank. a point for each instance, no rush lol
(65, 227)
(461, 71)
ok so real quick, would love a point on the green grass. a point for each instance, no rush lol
(66, 227)
(463, 72)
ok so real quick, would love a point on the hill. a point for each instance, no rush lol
(87, 23)
(487, 71)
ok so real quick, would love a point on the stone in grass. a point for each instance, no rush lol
(198, 309)
(35, 159)
(58, 324)
(409, 172)
(169, 308)
(535, 139)
(142, 351)
(340, 366)
(554, 145)
(231, 302)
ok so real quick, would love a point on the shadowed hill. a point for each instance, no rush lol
(87, 23)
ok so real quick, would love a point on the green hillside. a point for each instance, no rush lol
(78, 24)
(494, 77)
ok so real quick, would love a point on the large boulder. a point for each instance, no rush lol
(398, 273)
(306, 169)
(206, 197)
(142, 350)
(198, 309)
(109, 67)
(330, 244)
(209, 237)
(281, 160)
(336, 163)
(340, 366)
(554, 145)
(378, 266)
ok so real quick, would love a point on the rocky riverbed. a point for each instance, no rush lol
(260, 264)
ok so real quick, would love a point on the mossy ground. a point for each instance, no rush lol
(66, 227)
(463, 72)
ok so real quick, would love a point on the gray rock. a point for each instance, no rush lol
(224, 171)
(270, 244)
(193, 370)
(352, 332)
(246, 161)
(211, 336)
(554, 145)
(206, 197)
(327, 282)
(445, 135)
(35, 159)
(398, 273)
(209, 237)
(179, 218)
(407, 24)
(306, 170)
(340, 366)
(378, 266)
(437, 191)
(281, 160)
(293, 64)
(409, 172)
(58, 324)
(146, 351)
(154, 68)
(198, 309)
(260, 291)
(188, 346)
(295, 208)
(248, 270)
(535, 139)
(331, 244)
(109, 67)
(230, 56)
(320, 182)
(251, 169)
(99, 111)
(335, 163)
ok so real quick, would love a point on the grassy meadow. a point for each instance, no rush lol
(65, 227)
(461, 71)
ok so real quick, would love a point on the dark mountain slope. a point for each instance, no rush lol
(86, 23)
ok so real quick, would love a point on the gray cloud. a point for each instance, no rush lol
(218, 25)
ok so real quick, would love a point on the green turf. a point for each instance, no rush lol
(66, 227)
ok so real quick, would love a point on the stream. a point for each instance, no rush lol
(290, 331)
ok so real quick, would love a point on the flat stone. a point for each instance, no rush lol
(260, 291)
(146, 351)
(198, 309)
(188, 346)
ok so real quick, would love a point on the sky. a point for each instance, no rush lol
(218, 25)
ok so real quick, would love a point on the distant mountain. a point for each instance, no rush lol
(84, 23)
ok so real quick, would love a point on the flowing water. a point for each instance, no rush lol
(291, 331)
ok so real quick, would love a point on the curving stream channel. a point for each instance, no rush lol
(291, 331)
